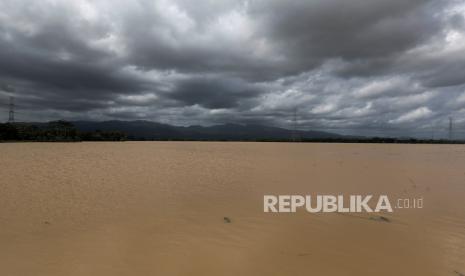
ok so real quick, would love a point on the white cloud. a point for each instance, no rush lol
(419, 113)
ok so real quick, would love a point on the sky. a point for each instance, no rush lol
(364, 67)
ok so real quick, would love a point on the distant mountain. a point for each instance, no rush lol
(148, 130)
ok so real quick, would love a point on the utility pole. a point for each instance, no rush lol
(11, 111)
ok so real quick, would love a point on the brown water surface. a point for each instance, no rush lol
(158, 208)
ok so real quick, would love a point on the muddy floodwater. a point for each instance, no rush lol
(196, 208)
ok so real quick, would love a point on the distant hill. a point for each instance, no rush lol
(148, 130)
(65, 131)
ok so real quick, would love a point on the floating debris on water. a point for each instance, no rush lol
(227, 220)
(380, 218)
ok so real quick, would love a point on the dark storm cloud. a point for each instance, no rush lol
(64, 75)
(453, 75)
(346, 65)
(350, 29)
(7, 88)
(213, 93)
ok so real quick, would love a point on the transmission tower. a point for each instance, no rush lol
(11, 111)
(450, 128)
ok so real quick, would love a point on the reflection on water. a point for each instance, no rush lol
(159, 208)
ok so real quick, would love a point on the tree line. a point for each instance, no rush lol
(55, 131)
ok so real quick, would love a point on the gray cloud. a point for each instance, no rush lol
(213, 93)
(378, 67)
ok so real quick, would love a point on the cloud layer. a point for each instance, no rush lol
(357, 67)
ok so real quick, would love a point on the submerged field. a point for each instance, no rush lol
(158, 208)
